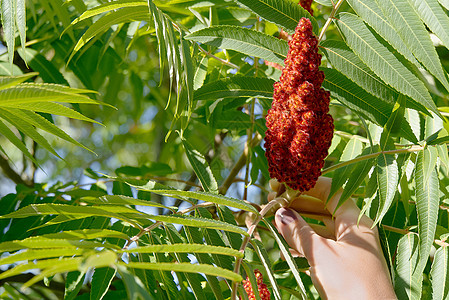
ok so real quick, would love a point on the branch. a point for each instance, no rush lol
(238, 165)
(372, 155)
(331, 17)
(11, 174)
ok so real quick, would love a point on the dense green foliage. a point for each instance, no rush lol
(131, 143)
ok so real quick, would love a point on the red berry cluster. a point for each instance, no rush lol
(300, 129)
(262, 287)
(307, 5)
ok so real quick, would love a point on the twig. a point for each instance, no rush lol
(329, 20)
(225, 62)
(394, 229)
(372, 155)
(255, 184)
(441, 243)
(238, 165)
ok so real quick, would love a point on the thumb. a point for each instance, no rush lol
(296, 232)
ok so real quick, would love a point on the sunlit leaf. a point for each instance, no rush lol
(236, 86)
(408, 281)
(412, 31)
(186, 267)
(440, 274)
(382, 61)
(283, 13)
(427, 202)
(244, 40)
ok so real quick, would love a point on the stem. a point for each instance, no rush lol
(263, 212)
(225, 62)
(394, 229)
(331, 17)
(371, 155)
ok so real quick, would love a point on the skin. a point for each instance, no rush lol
(346, 259)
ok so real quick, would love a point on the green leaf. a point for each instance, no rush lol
(435, 18)
(430, 161)
(28, 130)
(32, 254)
(200, 73)
(439, 274)
(185, 248)
(188, 72)
(264, 258)
(101, 280)
(68, 210)
(236, 86)
(156, 188)
(284, 13)
(73, 284)
(86, 234)
(40, 122)
(198, 222)
(344, 60)
(244, 40)
(444, 157)
(427, 203)
(100, 259)
(383, 62)
(185, 267)
(21, 22)
(387, 173)
(354, 97)
(252, 280)
(9, 26)
(371, 13)
(408, 282)
(226, 215)
(150, 168)
(26, 93)
(433, 124)
(352, 149)
(9, 81)
(129, 14)
(201, 168)
(39, 242)
(39, 63)
(358, 175)
(444, 3)
(122, 200)
(53, 108)
(69, 264)
(194, 236)
(6, 132)
(414, 34)
(285, 250)
(109, 6)
(134, 286)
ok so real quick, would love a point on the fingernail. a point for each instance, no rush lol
(287, 216)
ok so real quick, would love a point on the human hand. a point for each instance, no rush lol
(346, 259)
